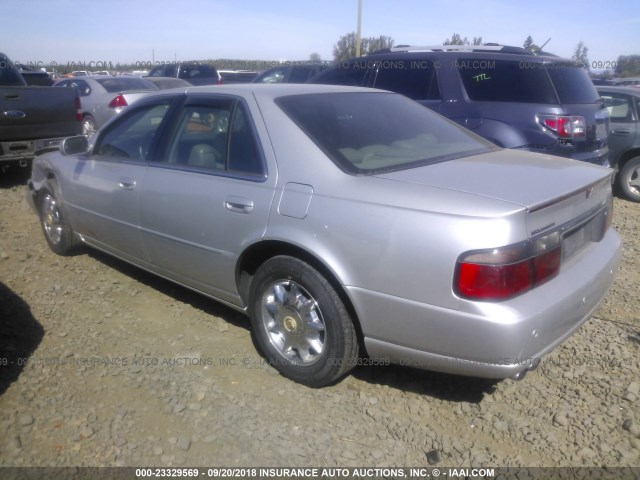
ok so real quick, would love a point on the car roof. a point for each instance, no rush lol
(272, 90)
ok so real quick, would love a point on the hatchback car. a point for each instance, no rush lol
(509, 95)
(345, 222)
(102, 97)
(623, 104)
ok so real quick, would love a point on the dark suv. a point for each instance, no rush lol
(509, 95)
(195, 72)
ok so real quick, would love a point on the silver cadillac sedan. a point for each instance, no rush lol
(353, 226)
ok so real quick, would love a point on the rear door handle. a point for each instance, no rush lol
(621, 132)
(127, 184)
(238, 204)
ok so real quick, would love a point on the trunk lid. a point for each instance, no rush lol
(553, 190)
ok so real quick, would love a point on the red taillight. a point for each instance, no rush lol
(118, 102)
(78, 109)
(505, 272)
(565, 126)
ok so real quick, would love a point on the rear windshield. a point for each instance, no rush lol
(572, 84)
(8, 74)
(196, 70)
(525, 81)
(367, 133)
(122, 84)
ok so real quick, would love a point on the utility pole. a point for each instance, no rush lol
(359, 30)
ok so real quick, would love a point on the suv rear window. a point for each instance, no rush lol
(198, 71)
(506, 81)
(368, 133)
(572, 84)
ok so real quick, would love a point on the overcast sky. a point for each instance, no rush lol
(129, 31)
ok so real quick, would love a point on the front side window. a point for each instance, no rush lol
(130, 138)
(216, 136)
(368, 133)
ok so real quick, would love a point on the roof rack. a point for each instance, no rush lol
(487, 47)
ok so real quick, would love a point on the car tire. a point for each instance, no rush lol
(53, 219)
(300, 323)
(89, 126)
(629, 179)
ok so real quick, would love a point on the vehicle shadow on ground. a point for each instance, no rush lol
(14, 177)
(443, 386)
(20, 335)
(170, 289)
(438, 385)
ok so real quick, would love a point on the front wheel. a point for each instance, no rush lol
(300, 322)
(57, 231)
(629, 179)
(89, 126)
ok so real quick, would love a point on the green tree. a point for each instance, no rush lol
(315, 57)
(580, 54)
(345, 48)
(529, 44)
(628, 66)
(456, 39)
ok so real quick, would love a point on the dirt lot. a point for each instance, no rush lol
(124, 369)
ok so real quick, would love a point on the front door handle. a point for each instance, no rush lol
(238, 204)
(621, 132)
(127, 184)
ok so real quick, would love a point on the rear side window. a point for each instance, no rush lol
(506, 81)
(416, 79)
(572, 83)
(350, 74)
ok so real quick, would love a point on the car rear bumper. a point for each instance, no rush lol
(492, 340)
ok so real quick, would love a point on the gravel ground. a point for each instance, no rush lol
(125, 369)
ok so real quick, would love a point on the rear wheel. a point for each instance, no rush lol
(300, 323)
(629, 179)
(57, 231)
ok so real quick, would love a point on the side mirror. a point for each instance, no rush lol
(74, 145)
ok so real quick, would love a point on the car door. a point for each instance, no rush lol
(209, 195)
(624, 123)
(104, 193)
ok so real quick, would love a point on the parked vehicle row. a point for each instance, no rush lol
(508, 95)
(344, 222)
(103, 96)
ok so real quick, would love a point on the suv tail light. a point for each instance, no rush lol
(565, 126)
(502, 273)
(78, 109)
(118, 102)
